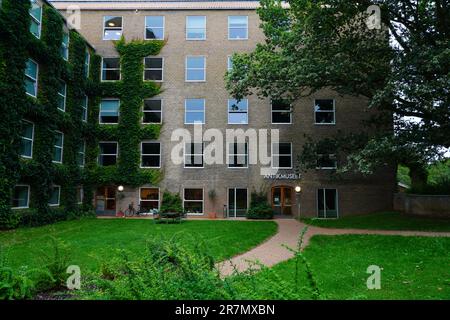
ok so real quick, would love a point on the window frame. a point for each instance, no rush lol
(228, 112)
(112, 28)
(83, 153)
(163, 28)
(202, 201)
(36, 81)
(87, 64)
(272, 155)
(84, 114)
(187, 28)
(186, 68)
(32, 139)
(228, 28)
(64, 47)
(228, 201)
(330, 155)
(186, 111)
(100, 112)
(324, 111)
(149, 69)
(324, 197)
(159, 197)
(272, 111)
(81, 194)
(152, 111)
(151, 154)
(108, 154)
(28, 196)
(64, 96)
(193, 154)
(247, 155)
(59, 196)
(102, 69)
(35, 20)
(62, 147)
(229, 63)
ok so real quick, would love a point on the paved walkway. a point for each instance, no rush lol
(272, 251)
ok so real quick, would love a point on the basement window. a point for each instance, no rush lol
(21, 197)
(149, 199)
(193, 201)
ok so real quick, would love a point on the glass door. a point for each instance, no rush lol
(282, 200)
(237, 202)
(105, 201)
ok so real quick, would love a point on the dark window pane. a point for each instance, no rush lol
(108, 148)
(285, 161)
(150, 148)
(193, 207)
(281, 117)
(193, 194)
(111, 63)
(285, 148)
(152, 105)
(152, 117)
(153, 63)
(155, 75)
(151, 161)
(324, 117)
(149, 194)
(324, 105)
(108, 160)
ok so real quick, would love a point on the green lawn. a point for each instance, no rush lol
(384, 221)
(412, 268)
(91, 241)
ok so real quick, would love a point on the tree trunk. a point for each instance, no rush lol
(419, 176)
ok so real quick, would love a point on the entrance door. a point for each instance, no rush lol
(237, 202)
(105, 201)
(282, 200)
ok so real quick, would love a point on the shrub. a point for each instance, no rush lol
(259, 207)
(171, 203)
(440, 186)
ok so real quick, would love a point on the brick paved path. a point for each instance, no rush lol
(272, 251)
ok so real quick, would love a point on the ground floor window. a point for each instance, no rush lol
(193, 201)
(149, 199)
(55, 196)
(21, 197)
(237, 202)
(327, 203)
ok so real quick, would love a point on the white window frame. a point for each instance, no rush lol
(100, 112)
(59, 196)
(228, 200)
(28, 196)
(35, 20)
(151, 154)
(159, 197)
(63, 95)
(247, 155)
(32, 140)
(152, 111)
(236, 39)
(194, 154)
(66, 48)
(103, 69)
(108, 154)
(229, 63)
(81, 190)
(34, 80)
(272, 155)
(334, 113)
(228, 113)
(317, 203)
(150, 69)
(187, 28)
(327, 168)
(186, 69)
(87, 64)
(163, 28)
(83, 153)
(62, 147)
(112, 28)
(85, 108)
(202, 201)
(186, 111)
(272, 111)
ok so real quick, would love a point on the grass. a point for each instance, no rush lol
(384, 221)
(412, 268)
(92, 241)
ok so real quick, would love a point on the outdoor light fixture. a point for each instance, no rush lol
(298, 189)
(120, 188)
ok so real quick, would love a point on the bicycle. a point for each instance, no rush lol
(131, 211)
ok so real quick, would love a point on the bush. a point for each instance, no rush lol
(259, 207)
(440, 186)
(171, 203)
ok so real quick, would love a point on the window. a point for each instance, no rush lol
(108, 153)
(237, 202)
(111, 69)
(238, 155)
(324, 111)
(65, 46)
(193, 201)
(87, 62)
(109, 111)
(62, 91)
(153, 69)
(81, 154)
(21, 197)
(282, 155)
(150, 154)
(84, 108)
(195, 27)
(281, 112)
(26, 147)
(195, 68)
(237, 111)
(80, 195)
(229, 63)
(31, 78)
(194, 111)
(326, 161)
(55, 196)
(149, 199)
(58, 147)
(327, 203)
(193, 155)
(238, 27)
(154, 27)
(112, 28)
(152, 111)
(36, 18)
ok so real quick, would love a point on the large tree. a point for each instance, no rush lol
(400, 63)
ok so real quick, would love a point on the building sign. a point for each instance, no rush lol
(282, 176)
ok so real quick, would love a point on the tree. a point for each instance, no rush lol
(400, 65)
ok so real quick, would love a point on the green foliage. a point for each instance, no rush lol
(437, 179)
(171, 203)
(259, 206)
